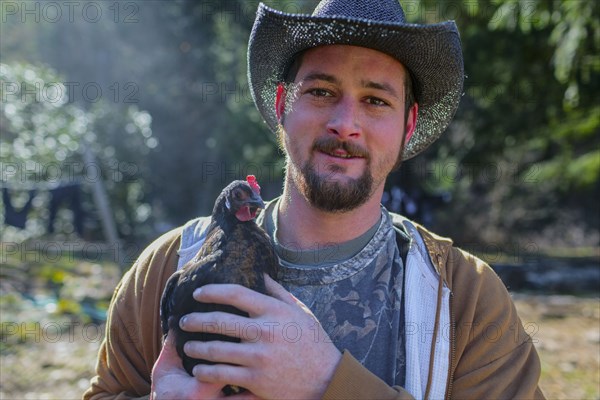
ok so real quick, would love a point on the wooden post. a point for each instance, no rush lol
(103, 205)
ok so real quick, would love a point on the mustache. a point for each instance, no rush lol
(330, 144)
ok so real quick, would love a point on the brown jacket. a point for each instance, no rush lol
(491, 356)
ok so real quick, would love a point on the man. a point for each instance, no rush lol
(395, 311)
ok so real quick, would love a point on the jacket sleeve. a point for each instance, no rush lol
(133, 334)
(494, 357)
(352, 380)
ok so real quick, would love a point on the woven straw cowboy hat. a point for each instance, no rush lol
(432, 53)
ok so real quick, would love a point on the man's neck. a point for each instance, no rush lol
(307, 226)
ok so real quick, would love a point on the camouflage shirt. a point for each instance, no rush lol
(355, 291)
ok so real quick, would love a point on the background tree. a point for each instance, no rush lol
(520, 163)
(44, 138)
(521, 160)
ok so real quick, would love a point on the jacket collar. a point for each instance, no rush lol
(438, 247)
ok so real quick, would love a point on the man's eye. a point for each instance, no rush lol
(319, 92)
(376, 101)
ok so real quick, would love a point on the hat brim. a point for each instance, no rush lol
(432, 53)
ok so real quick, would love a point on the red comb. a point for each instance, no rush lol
(251, 179)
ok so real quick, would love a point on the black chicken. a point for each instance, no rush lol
(236, 250)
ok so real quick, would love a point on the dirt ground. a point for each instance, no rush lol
(566, 331)
(55, 359)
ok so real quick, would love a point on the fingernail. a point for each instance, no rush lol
(196, 293)
(182, 322)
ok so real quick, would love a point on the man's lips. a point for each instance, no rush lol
(339, 153)
(343, 150)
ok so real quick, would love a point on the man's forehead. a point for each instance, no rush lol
(335, 54)
(366, 67)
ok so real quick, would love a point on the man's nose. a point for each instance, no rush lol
(344, 120)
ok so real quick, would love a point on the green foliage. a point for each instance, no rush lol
(39, 127)
(573, 174)
(574, 34)
(44, 136)
(530, 112)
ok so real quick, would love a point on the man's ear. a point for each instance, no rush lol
(280, 102)
(411, 122)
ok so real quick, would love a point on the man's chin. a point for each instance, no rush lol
(350, 170)
(336, 192)
(338, 179)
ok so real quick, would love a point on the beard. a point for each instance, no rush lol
(330, 195)
(323, 190)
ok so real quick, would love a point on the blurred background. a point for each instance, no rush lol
(121, 120)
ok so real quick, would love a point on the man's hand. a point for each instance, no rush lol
(170, 381)
(284, 352)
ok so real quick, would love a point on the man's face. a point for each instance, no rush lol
(343, 125)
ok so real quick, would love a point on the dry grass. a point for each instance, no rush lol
(49, 365)
(49, 370)
(566, 331)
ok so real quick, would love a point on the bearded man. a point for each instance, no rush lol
(366, 304)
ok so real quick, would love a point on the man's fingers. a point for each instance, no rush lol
(216, 322)
(220, 352)
(235, 326)
(278, 291)
(248, 300)
(217, 373)
(238, 296)
(243, 396)
(168, 354)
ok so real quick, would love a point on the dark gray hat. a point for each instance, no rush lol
(432, 53)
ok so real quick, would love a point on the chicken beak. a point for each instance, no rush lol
(256, 201)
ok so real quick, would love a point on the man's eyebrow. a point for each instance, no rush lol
(381, 86)
(319, 76)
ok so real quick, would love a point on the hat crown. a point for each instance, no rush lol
(380, 10)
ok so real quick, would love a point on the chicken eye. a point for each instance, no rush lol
(238, 195)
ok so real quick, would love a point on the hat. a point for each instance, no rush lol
(431, 53)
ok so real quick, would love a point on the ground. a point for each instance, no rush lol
(55, 359)
(566, 331)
